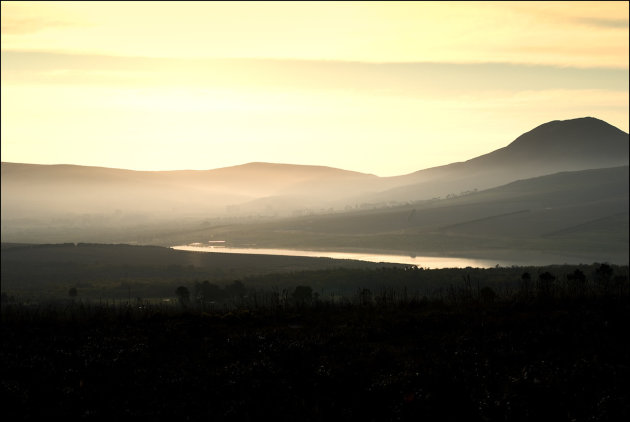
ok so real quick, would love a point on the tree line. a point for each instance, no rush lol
(410, 285)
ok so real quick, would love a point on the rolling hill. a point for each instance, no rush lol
(566, 145)
(35, 191)
(572, 217)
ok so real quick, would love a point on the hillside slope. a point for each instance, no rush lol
(44, 191)
(567, 145)
(579, 215)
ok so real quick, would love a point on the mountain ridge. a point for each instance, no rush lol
(581, 127)
(277, 189)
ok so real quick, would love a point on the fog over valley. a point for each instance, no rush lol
(563, 179)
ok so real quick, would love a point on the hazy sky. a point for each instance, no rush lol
(379, 87)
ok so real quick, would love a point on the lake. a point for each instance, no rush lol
(419, 261)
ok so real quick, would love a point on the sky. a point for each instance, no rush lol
(386, 88)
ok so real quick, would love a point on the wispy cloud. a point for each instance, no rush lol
(413, 79)
(23, 26)
(354, 31)
(604, 23)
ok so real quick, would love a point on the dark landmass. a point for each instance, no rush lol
(518, 360)
(306, 338)
(44, 272)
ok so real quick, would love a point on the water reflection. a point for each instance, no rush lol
(419, 261)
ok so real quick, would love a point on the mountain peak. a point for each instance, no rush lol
(585, 142)
(588, 130)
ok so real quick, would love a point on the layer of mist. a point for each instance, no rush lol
(445, 210)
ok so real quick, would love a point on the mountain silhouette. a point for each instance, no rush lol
(556, 146)
(579, 142)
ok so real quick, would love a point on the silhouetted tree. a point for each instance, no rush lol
(619, 283)
(545, 283)
(487, 295)
(577, 282)
(526, 284)
(603, 275)
(183, 295)
(207, 292)
(73, 293)
(236, 289)
(365, 297)
(302, 294)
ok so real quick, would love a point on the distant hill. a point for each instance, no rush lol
(569, 217)
(561, 145)
(33, 191)
(585, 142)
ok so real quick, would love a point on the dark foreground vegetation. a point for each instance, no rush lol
(555, 348)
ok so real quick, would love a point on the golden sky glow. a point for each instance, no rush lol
(379, 87)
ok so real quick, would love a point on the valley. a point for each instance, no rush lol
(558, 193)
